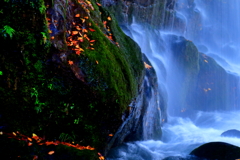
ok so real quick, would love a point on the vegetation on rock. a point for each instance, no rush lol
(68, 72)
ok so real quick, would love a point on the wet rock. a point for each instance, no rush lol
(138, 125)
(217, 150)
(231, 133)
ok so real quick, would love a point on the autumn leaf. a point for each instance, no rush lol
(109, 18)
(74, 32)
(92, 41)
(83, 20)
(35, 157)
(92, 30)
(78, 53)
(50, 152)
(77, 15)
(78, 28)
(80, 39)
(147, 66)
(70, 62)
(99, 4)
(84, 30)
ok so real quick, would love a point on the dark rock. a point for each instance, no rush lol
(174, 158)
(217, 150)
(181, 158)
(231, 133)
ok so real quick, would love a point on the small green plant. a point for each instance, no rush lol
(44, 37)
(38, 104)
(1, 73)
(66, 137)
(7, 30)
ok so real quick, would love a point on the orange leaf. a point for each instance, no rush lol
(84, 30)
(74, 32)
(80, 39)
(110, 135)
(92, 30)
(50, 152)
(99, 4)
(52, 37)
(77, 15)
(78, 28)
(29, 143)
(35, 157)
(92, 41)
(78, 53)
(70, 62)
(109, 18)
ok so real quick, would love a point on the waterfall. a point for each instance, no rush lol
(195, 51)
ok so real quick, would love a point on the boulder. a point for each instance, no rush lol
(231, 133)
(217, 150)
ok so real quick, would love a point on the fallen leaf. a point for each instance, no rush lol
(78, 28)
(80, 39)
(35, 157)
(50, 152)
(99, 4)
(92, 41)
(74, 32)
(70, 62)
(109, 18)
(147, 66)
(83, 20)
(78, 53)
(84, 30)
(77, 15)
(92, 30)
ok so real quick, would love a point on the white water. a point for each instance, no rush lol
(217, 34)
(181, 136)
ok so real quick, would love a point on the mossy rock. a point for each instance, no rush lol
(51, 90)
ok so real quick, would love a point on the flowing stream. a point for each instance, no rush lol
(214, 28)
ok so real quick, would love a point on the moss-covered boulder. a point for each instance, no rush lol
(67, 71)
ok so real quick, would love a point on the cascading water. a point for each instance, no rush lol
(201, 83)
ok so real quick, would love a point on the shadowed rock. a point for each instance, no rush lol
(217, 150)
(231, 133)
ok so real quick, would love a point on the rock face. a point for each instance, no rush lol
(143, 119)
(231, 133)
(198, 80)
(217, 150)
